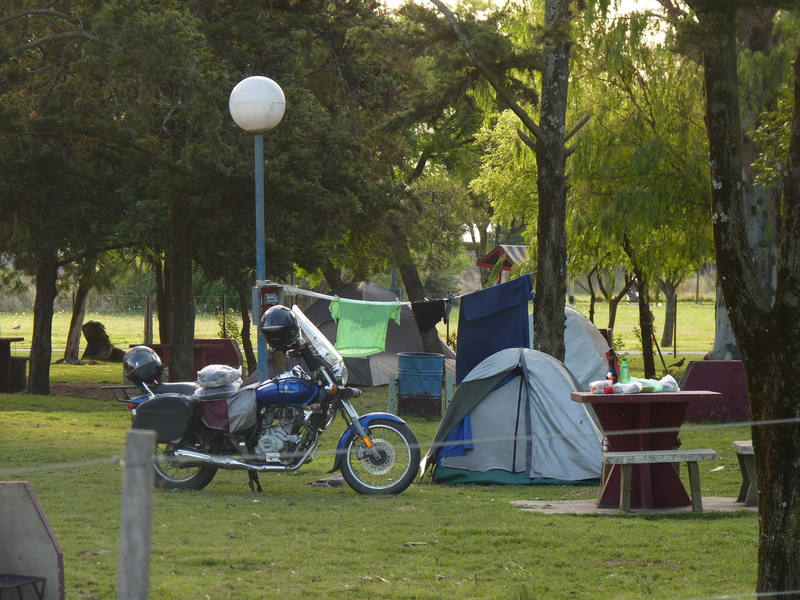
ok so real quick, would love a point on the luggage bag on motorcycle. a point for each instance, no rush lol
(169, 416)
(231, 415)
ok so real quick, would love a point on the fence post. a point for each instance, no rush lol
(137, 512)
(148, 320)
(224, 315)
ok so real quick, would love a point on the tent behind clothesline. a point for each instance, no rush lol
(512, 421)
(585, 348)
(376, 369)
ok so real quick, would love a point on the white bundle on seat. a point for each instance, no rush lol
(218, 381)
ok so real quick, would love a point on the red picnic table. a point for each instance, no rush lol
(5, 361)
(637, 422)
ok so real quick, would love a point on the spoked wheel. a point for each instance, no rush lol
(393, 465)
(172, 473)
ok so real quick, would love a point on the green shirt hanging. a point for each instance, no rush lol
(362, 325)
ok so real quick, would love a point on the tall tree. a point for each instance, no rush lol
(767, 327)
(547, 139)
(60, 155)
(765, 52)
(639, 181)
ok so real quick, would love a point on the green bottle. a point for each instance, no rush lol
(624, 371)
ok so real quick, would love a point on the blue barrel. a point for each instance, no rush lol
(419, 383)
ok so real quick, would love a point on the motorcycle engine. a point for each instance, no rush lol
(280, 433)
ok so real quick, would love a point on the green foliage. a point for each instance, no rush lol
(639, 178)
(772, 126)
(230, 325)
(508, 175)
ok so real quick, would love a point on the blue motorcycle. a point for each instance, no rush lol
(273, 425)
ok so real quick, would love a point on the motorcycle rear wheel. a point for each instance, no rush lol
(172, 475)
(390, 473)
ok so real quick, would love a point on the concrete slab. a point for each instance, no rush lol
(589, 507)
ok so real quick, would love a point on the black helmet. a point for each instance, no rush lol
(279, 327)
(142, 365)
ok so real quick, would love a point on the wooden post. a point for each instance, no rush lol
(137, 513)
(448, 390)
(392, 393)
(148, 320)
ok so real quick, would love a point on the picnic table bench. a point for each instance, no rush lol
(748, 493)
(626, 460)
(17, 582)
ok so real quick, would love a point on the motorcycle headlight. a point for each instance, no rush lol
(340, 373)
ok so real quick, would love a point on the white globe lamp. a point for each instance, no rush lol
(257, 104)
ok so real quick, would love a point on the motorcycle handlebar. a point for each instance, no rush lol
(348, 392)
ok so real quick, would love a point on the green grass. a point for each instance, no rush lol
(122, 329)
(432, 541)
(298, 541)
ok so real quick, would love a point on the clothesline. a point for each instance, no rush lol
(301, 292)
(490, 319)
(362, 324)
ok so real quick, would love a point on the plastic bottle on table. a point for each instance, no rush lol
(624, 371)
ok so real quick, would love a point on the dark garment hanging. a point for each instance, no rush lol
(427, 313)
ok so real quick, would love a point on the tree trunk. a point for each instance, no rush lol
(162, 299)
(41, 344)
(79, 306)
(761, 204)
(412, 282)
(551, 159)
(614, 300)
(592, 294)
(332, 274)
(768, 336)
(725, 347)
(645, 326)
(670, 290)
(247, 344)
(181, 333)
(613, 303)
(771, 359)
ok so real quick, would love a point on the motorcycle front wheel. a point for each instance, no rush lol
(394, 467)
(174, 474)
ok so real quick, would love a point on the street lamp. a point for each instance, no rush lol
(257, 105)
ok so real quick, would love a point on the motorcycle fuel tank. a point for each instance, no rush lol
(291, 391)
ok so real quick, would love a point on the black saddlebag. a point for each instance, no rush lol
(169, 416)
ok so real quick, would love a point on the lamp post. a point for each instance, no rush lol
(257, 105)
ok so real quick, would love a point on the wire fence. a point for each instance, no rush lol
(127, 463)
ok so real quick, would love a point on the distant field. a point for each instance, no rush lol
(695, 325)
(695, 335)
(123, 329)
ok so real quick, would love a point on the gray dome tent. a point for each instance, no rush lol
(375, 370)
(586, 350)
(511, 421)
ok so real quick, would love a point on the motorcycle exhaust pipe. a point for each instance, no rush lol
(191, 457)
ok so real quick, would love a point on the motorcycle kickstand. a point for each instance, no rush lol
(255, 485)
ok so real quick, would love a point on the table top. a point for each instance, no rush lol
(644, 397)
(12, 339)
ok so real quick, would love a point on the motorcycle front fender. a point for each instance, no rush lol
(349, 433)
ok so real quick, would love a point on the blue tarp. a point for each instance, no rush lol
(491, 320)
